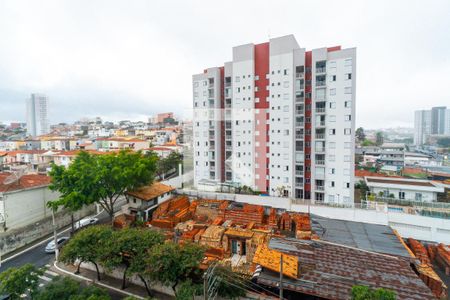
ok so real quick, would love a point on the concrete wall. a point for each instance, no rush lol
(24, 207)
(15, 238)
(418, 227)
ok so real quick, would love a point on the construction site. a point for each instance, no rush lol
(320, 258)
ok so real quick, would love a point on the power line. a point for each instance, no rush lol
(248, 283)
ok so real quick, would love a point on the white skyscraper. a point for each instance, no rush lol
(279, 119)
(37, 117)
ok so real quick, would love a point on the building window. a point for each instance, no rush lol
(348, 104)
(332, 145)
(332, 171)
(401, 195)
(348, 90)
(347, 145)
(347, 131)
(332, 104)
(418, 197)
(332, 118)
(346, 158)
(333, 78)
(348, 62)
(332, 92)
(286, 71)
(331, 157)
(331, 183)
(348, 117)
(333, 131)
(348, 76)
(237, 79)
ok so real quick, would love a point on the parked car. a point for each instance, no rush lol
(50, 248)
(85, 222)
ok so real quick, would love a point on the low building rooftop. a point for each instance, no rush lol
(152, 191)
(364, 236)
(24, 182)
(329, 271)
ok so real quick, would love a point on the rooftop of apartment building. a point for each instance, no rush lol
(427, 185)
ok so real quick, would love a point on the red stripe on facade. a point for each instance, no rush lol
(261, 70)
(308, 126)
(222, 123)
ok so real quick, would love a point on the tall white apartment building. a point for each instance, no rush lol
(37, 118)
(431, 122)
(278, 119)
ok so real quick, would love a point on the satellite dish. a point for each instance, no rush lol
(16, 174)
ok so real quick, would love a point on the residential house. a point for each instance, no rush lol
(404, 189)
(143, 201)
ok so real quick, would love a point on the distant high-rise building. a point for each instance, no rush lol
(438, 120)
(37, 117)
(422, 126)
(431, 122)
(279, 119)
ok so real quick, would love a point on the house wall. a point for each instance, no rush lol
(24, 207)
(409, 194)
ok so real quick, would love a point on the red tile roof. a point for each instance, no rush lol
(330, 270)
(364, 173)
(25, 182)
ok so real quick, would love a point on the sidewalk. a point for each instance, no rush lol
(109, 282)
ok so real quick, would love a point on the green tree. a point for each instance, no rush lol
(360, 135)
(171, 263)
(102, 178)
(361, 292)
(65, 288)
(379, 138)
(444, 142)
(225, 290)
(187, 290)
(166, 164)
(87, 245)
(19, 281)
(65, 181)
(129, 248)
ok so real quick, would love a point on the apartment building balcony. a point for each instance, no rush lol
(299, 136)
(320, 136)
(228, 147)
(299, 184)
(210, 93)
(212, 137)
(227, 84)
(227, 93)
(211, 104)
(320, 110)
(299, 75)
(299, 124)
(212, 147)
(320, 188)
(321, 70)
(321, 83)
(227, 104)
(319, 149)
(300, 98)
(320, 162)
(212, 168)
(299, 111)
(299, 173)
(320, 124)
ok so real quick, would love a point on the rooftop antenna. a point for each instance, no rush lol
(15, 176)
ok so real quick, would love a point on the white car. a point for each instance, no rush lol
(85, 222)
(50, 248)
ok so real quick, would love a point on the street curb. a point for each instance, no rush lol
(40, 243)
(96, 282)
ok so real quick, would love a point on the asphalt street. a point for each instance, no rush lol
(36, 255)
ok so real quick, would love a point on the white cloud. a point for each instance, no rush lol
(134, 58)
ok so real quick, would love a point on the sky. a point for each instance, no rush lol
(132, 59)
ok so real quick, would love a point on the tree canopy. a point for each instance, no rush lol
(171, 263)
(101, 179)
(67, 288)
(362, 292)
(18, 281)
(87, 245)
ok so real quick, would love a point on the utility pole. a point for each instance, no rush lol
(55, 236)
(205, 284)
(281, 276)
